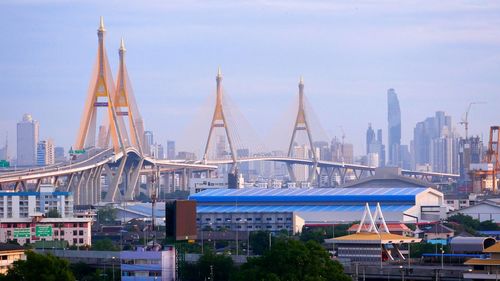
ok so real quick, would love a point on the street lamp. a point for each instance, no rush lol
(113, 264)
(442, 256)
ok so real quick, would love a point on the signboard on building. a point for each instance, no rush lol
(22, 233)
(43, 230)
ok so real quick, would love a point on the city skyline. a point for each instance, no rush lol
(334, 87)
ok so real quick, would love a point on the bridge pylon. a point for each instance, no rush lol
(125, 104)
(301, 124)
(219, 121)
(101, 94)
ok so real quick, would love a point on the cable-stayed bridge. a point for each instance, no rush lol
(116, 154)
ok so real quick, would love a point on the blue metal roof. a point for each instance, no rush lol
(400, 194)
(296, 208)
(34, 193)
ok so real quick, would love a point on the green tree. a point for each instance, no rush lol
(292, 260)
(53, 213)
(461, 222)
(259, 242)
(104, 245)
(221, 267)
(106, 215)
(317, 234)
(39, 267)
(488, 225)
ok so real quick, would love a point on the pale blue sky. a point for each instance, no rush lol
(438, 56)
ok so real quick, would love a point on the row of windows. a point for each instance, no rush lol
(247, 219)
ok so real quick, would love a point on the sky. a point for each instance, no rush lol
(437, 55)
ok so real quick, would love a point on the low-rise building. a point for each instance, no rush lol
(460, 201)
(148, 265)
(373, 243)
(394, 228)
(9, 253)
(76, 231)
(321, 205)
(26, 204)
(488, 209)
(485, 268)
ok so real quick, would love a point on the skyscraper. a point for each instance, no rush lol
(45, 153)
(27, 140)
(170, 150)
(370, 137)
(59, 154)
(394, 127)
(148, 142)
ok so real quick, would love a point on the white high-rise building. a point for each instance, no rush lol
(45, 153)
(27, 140)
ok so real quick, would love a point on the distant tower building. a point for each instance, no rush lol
(470, 152)
(148, 142)
(102, 138)
(161, 151)
(27, 140)
(381, 154)
(59, 154)
(348, 153)
(170, 150)
(45, 153)
(394, 127)
(301, 172)
(370, 138)
(4, 151)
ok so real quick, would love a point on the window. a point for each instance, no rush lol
(280, 219)
(268, 219)
(81, 240)
(81, 232)
(75, 232)
(249, 219)
(62, 232)
(75, 240)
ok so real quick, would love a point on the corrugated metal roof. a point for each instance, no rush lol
(399, 194)
(295, 208)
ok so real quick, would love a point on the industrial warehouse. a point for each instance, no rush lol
(277, 209)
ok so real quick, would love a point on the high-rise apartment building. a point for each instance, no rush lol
(160, 152)
(59, 154)
(394, 127)
(435, 144)
(170, 150)
(45, 153)
(4, 151)
(470, 152)
(27, 140)
(148, 142)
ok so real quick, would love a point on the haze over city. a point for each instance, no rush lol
(437, 56)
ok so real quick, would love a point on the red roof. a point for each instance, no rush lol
(393, 227)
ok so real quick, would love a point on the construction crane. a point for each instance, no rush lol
(465, 119)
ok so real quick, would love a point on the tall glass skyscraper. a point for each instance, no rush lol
(394, 127)
(27, 140)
